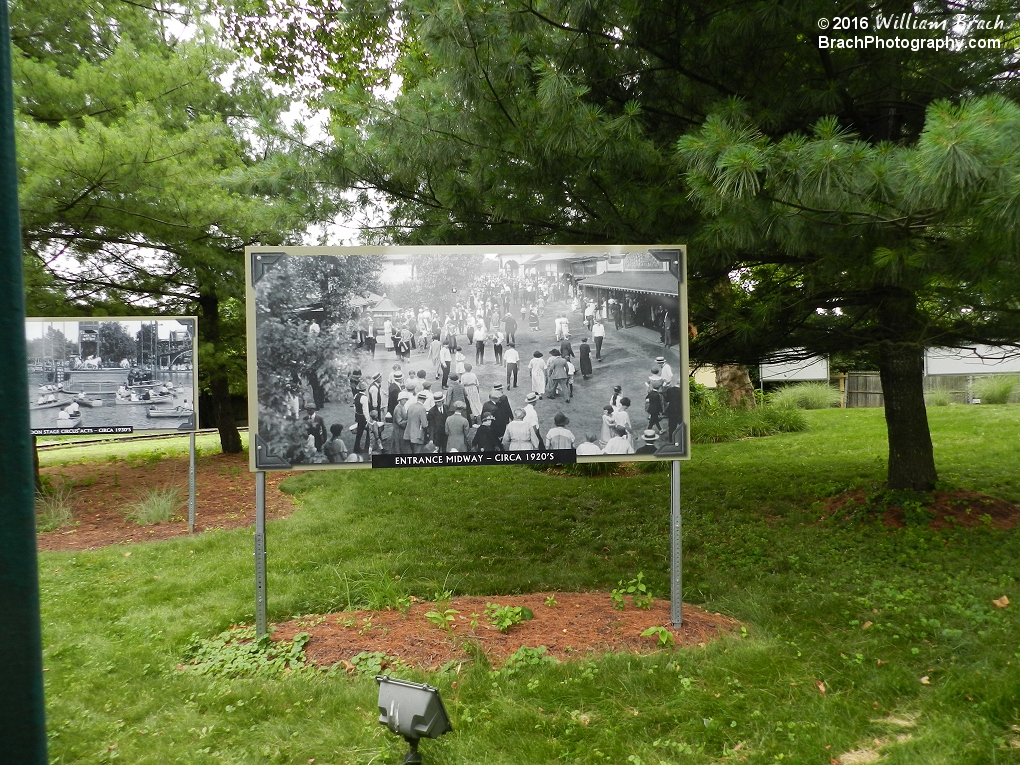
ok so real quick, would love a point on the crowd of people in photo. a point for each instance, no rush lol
(432, 400)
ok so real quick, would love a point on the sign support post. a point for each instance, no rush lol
(676, 549)
(191, 483)
(23, 721)
(261, 629)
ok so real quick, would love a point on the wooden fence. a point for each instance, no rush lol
(864, 389)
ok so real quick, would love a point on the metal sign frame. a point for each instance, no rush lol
(269, 418)
(97, 388)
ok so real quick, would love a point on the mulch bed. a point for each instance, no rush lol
(578, 625)
(958, 508)
(104, 491)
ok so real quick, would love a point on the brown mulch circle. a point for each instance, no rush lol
(104, 491)
(580, 624)
(949, 509)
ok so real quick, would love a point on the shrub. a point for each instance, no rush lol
(709, 426)
(806, 395)
(994, 389)
(53, 509)
(701, 395)
(156, 506)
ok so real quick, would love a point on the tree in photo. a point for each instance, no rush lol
(52, 345)
(328, 283)
(295, 352)
(116, 343)
(438, 281)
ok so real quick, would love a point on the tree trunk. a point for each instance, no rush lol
(736, 378)
(219, 385)
(911, 458)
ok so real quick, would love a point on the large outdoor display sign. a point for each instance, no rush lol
(807, 368)
(363, 357)
(979, 360)
(111, 375)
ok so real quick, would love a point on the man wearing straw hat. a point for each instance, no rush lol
(665, 371)
(437, 417)
(649, 437)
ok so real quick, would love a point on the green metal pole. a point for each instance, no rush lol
(22, 712)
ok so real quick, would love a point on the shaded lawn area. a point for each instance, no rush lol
(855, 609)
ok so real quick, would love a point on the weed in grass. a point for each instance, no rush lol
(805, 395)
(156, 506)
(916, 514)
(664, 637)
(474, 649)
(995, 389)
(237, 653)
(404, 604)
(371, 590)
(505, 617)
(53, 509)
(523, 657)
(375, 662)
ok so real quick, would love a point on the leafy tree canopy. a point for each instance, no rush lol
(147, 163)
(807, 174)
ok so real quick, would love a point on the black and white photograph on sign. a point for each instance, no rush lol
(111, 375)
(429, 356)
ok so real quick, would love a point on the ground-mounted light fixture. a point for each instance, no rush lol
(412, 710)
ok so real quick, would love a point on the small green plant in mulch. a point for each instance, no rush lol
(664, 637)
(640, 595)
(505, 617)
(238, 653)
(443, 619)
(157, 505)
(53, 509)
(914, 505)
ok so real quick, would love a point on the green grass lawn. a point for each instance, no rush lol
(116, 622)
(66, 454)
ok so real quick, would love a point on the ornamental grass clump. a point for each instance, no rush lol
(996, 389)
(712, 426)
(156, 506)
(53, 509)
(805, 395)
(938, 397)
